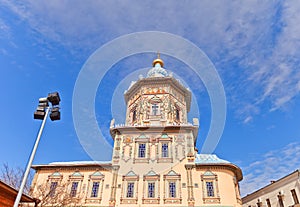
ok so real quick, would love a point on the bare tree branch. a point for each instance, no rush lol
(14, 176)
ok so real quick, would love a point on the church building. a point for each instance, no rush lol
(154, 162)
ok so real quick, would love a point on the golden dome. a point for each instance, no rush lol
(158, 60)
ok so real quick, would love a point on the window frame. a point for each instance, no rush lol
(52, 190)
(280, 200)
(210, 191)
(295, 197)
(130, 182)
(93, 193)
(155, 109)
(172, 191)
(74, 188)
(142, 151)
(210, 177)
(165, 151)
(151, 196)
(151, 190)
(130, 190)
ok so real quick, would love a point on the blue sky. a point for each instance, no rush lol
(253, 45)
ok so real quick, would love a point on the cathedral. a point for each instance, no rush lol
(154, 163)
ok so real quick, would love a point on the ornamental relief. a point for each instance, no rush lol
(179, 151)
(127, 151)
(154, 90)
(180, 138)
(134, 99)
(155, 106)
(153, 152)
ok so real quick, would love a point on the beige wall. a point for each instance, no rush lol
(225, 182)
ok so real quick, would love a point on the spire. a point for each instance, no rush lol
(158, 60)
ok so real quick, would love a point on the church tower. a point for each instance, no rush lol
(154, 162)
(154, 150)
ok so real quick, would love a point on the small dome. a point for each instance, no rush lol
(157, 70)
(158, 60)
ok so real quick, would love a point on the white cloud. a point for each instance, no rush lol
(272, 166)
(255, 45)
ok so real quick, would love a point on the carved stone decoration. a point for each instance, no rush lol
(117, 150)
(180, 138)
(179, 151)
(127, 139)
(153, 152)
(190, 143)
(126, 152)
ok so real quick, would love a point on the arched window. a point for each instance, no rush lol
(134, 115)
(177, 114)
(155, 109)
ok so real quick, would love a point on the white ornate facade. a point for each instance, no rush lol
(155, 161)
(284, 192)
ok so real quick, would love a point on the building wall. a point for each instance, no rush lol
(6, 199)
(278, 189)
(225, 191)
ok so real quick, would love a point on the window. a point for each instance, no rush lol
(155, 109)
(172, 194)
(210, 189)
(295, 198)
(95, 189)
(151, 190)
(259, 204)
(142, 150)
(177, 115)
(134, 115)
(280, 201)
(130, 186)
(53, 186)
(74, 189)
(164, 150)
(172, 189)
(268, 202)
(130, 190)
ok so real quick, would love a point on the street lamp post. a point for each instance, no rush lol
(41, 112)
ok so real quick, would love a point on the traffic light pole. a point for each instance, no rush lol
(18, 198)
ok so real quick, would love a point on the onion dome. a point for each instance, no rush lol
(157, 70)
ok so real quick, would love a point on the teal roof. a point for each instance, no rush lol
(131, 173)
(142, 136)
(157, 71)
(209, 159)
(56, 174)
(77, 174)
(97, 173)
(208, 173)
(172, 172)
(151, 173)
(164, 135)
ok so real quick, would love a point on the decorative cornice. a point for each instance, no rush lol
(228, 166)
